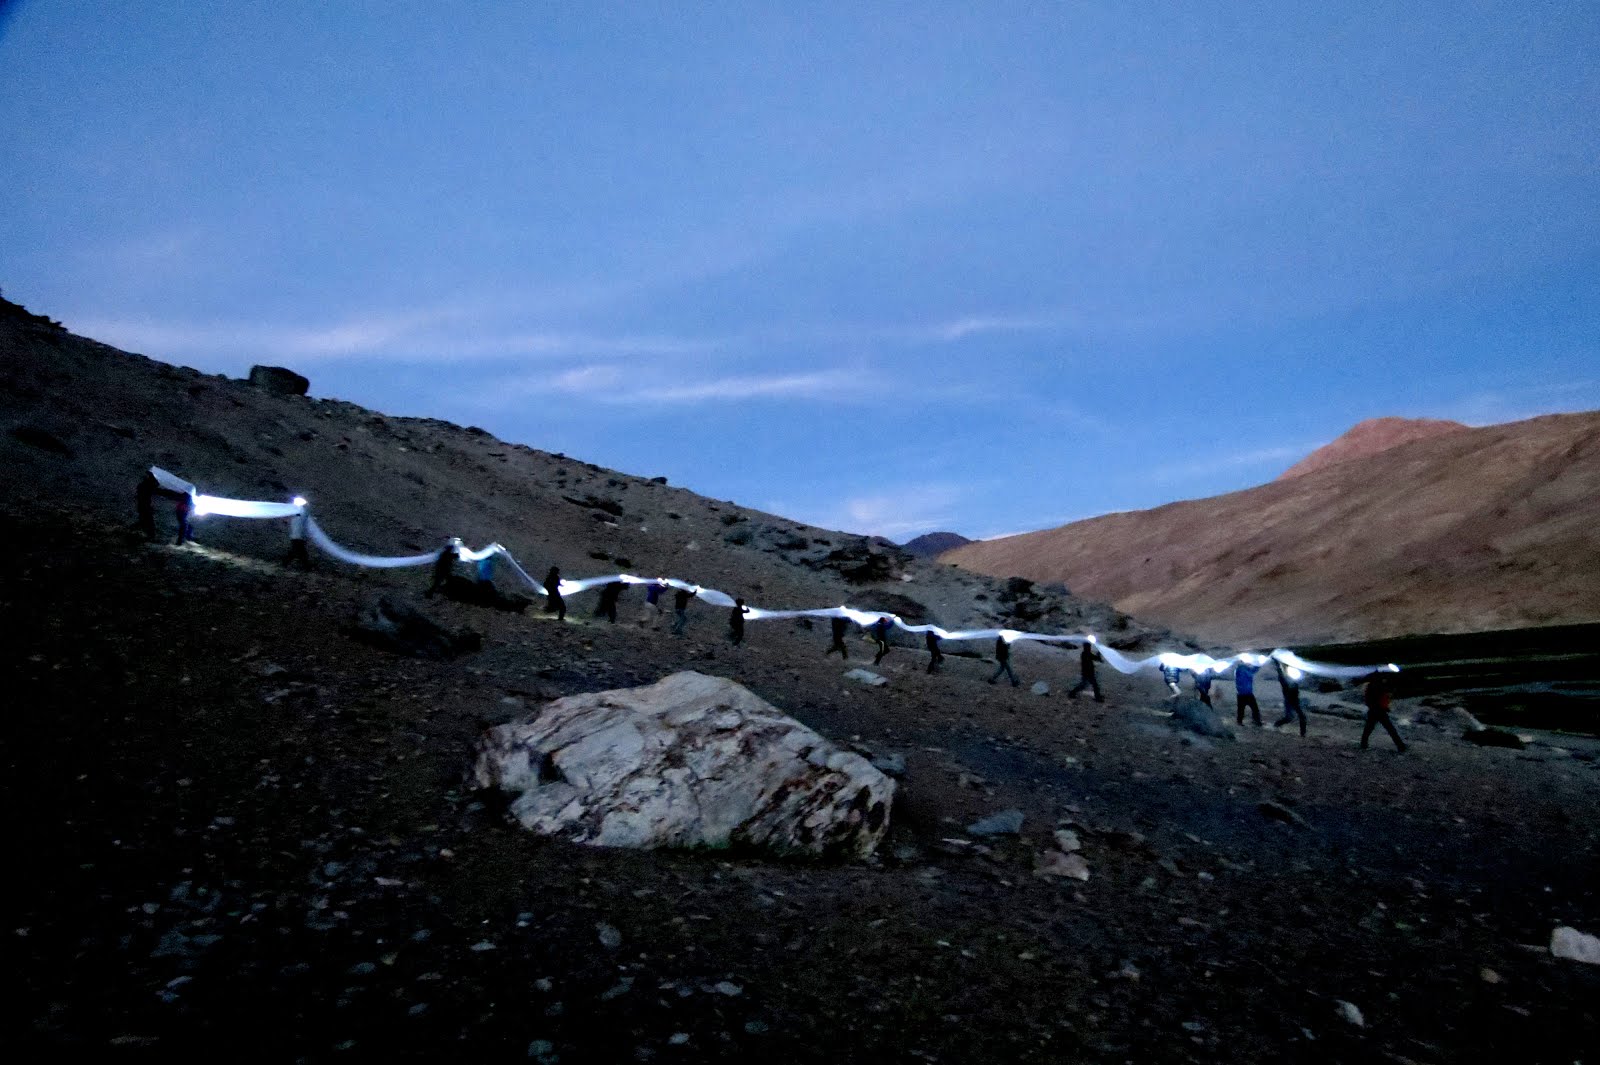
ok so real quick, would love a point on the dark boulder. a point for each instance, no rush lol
(399, 628)
(42, 439)
(279, 380)
(1494, 737)
(1191, 715)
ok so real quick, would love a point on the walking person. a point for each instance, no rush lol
(1002, 655)
(680, 610)
(554, 604)
(607, 607)
(1377, 699)
(1172, 675)
(935, 656)
(297, 538)
(652, 596)
(183, 507)
(1289, 681)
(838, 626)
(880, 636)
(444, 566)
(144, 497)
(1244, 689)
(1088, 655)
(736, 622)
(1202, 684)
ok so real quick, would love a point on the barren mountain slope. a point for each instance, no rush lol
(1497, 527)
(80, 420)
(1369, 438)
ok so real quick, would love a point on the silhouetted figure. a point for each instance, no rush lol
(1289, 681)
(1244, 689)
(1377, 700)
(443, 567)
(1088, 655)
(736, 622)
(144, 497)
(297, 542)
(652, 595)
(1002, 655)
(183, 507)
(1202, 684)
(607, 607)
(935, 656)
(839, 626)
(880, 636)
(680, 610)
(1172, 675)
(554, 604)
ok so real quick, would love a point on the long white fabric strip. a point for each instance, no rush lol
(1198, 664)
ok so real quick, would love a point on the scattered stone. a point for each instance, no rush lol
(279, 380)
(727, 987)
(1191, 715)
(890, 765)
(1068, 840)
(1574, 945)
(1348, 1012)
(867, 677)
(543, 1051)
(1278, 812)
(1494, 737)
(1489, 976)
(1060, 864)
(1004, 823)
(1040, 688)
(609, 936)
(690, 761)
(755, 1027)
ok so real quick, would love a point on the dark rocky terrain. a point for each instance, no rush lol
(237, 832)
(934, 544)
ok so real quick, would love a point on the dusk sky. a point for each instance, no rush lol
(882, 267)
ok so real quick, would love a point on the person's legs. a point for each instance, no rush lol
(680, 618)
(1394, 733)
(1249, 699)
(1094, 682)
(999, 669)
(1366, 729)
(1015, 683)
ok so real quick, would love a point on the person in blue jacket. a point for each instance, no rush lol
(1244, 687)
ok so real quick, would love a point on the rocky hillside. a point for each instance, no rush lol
(1461, 530)
(934, 544)
(80, 420)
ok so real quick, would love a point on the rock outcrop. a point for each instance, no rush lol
(690, 761)
(399, 628)
(279, 379)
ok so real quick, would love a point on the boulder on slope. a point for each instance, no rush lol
(690, 761)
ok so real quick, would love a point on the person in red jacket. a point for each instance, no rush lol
(1377, 700)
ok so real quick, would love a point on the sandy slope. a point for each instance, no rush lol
(1458, 531)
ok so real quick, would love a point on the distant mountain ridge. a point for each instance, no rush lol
(1402, 526)
(934, 544)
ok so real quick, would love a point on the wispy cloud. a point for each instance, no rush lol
(896, 513)
(1237, 460)
(1514, 403)
(645, 386)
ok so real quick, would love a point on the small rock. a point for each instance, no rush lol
(890, 765)
(1348, 1012)
(1057, 863)
(363, 968)
(1068, 840)
(1004, 823)
(1040, 688)
(542, 1050)
(678, 1039)
(1574, 945)
(1488, 975)
(867, 677)
(755, 1027)
(1494, 737)
(1279, 812)
(610, 938)
(727, 987)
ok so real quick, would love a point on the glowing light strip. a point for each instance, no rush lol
(1194, 663)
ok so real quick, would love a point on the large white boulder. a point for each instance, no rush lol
(690, 761)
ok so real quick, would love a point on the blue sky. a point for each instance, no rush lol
(885, 267)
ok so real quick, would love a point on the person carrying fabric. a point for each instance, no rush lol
(935, 656)
(880, 636)
(444, 566)
(1244, 688)
(1172, 675)
(607, 607)
(144, 497)
(554, 604)
(297, 541)
(680, 610)
(1377, 698)
(183, 506)
(1088, 655)
(1289, 682)
(1002, 655)
(736, 622)
(838, 626)
(1202, 684)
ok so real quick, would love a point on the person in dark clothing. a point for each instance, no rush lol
(839, 627)
(183, 506)
(880, 636)
(680, 610)
(935, 656)
(1172, 675)
(145, 498)
(554, 604)
(1202, 684)
(1244, 688)
(1377, 700)
(607, 607)
(443, 567)
(652, 595)
(736, 622)
(1002, 655)
(1289, 681)
(1088, 655)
